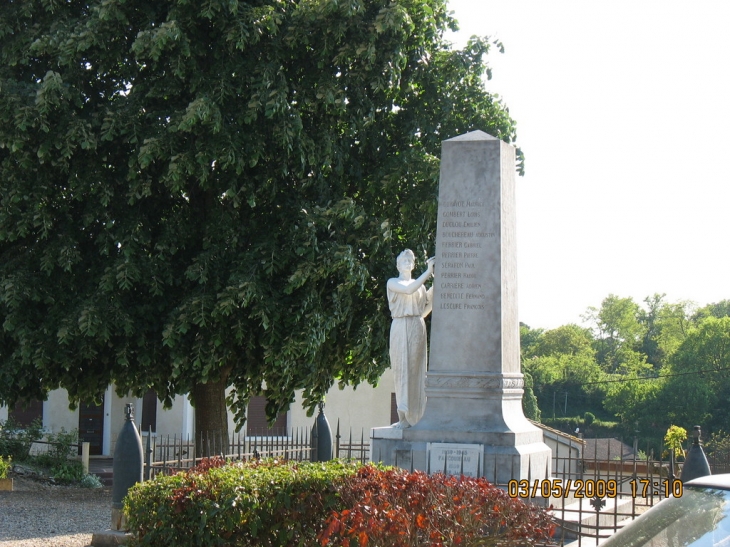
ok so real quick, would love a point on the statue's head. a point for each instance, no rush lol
(406, 260)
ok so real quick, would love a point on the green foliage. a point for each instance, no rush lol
(56, 459)
(718, 309)
(16, 440)
(588, 418)
(617, 329)
(698, 393)
(68, 472)
(566, 340)
(400, 509)
(201, 192)
(60, 447)
(562, 360)
(666, 326)
(529, 401)
(633, 399)
(6, 464)
(287, 504)
(599, 428)
(255, 503)
(674, 438)
(718, 444)
(647, 366)
(90, 480)
(528, 338)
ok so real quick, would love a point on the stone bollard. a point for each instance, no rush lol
(323, 435)
(695, 464)
(127, 466)
(127, 473)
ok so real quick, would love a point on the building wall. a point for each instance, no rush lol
(173, 419)
(57, 415)
(567, 452)
(359, 409)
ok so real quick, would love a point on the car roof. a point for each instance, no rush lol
(713, 481)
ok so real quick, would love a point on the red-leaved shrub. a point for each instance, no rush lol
(394, 508)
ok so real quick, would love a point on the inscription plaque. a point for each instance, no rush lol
(456, 459)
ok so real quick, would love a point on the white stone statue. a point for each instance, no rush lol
(409, 303)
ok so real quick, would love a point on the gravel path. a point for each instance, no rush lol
(37, 514)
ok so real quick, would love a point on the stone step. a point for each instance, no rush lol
(102, 468)
(582, 515)
(106, 478)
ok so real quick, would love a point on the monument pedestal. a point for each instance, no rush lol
(473, 423)
(481, 433)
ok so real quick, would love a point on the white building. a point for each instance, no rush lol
(356, 409)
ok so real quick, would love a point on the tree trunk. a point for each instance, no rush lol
(211, 419)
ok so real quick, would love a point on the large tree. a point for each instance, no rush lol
(697, 391)
(196, 195)
(617, 330)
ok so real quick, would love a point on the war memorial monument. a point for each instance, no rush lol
(472, 421)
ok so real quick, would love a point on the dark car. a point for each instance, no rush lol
(700, 517)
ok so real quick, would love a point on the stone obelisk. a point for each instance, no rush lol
(473, 421)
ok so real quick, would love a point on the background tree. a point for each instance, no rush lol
(562, 362)
(665, 327)
(697, 391)
(716, 309)
(201, 195)
(617, 331)
(635, 400)
(529, 401)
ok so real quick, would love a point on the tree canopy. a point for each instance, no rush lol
(648, 367)
(212, 193)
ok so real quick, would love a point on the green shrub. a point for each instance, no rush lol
(16, 440)
(274, 503)
(60, 447)
(5, 466)
(68, 472)
(90, 481)
(395, 508)
(266, 503)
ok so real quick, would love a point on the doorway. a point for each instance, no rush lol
(91, 427)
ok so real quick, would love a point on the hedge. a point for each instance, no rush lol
(278, 503)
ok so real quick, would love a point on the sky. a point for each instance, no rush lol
(623, 112)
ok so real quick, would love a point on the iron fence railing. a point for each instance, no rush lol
(170, 454)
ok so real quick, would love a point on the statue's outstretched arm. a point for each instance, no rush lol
(395, 286)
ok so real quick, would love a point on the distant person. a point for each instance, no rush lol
(409, 303)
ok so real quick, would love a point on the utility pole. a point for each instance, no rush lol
(554, 394)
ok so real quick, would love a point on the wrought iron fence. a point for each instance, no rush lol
(170, 454)
(173, 453)
(352, 448)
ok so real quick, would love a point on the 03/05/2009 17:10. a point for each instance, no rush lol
(590, 488)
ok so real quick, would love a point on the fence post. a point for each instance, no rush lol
(85, 456)
(314, 441)
(148, 456)
(337, 440)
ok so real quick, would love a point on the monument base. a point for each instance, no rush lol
(499, 456)
(111, 538)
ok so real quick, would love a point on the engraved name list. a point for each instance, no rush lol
(463, 238)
